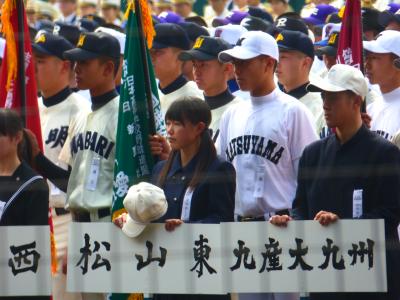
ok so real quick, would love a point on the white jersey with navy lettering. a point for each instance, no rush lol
(190, 89)
(385, 114)
(264, 139)
(90, 151)
(55, 121)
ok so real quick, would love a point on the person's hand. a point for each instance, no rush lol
(325, 217)
(280, 221)
(120, 220)
(64, 263)
(171, 224)
(32, 140)
(366, 118)
(159, 146)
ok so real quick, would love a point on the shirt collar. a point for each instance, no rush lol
(176, 165)
(219, 100)
(297, 92)
(358, 136)
(57, 98)
(99, 101)
(174, 85)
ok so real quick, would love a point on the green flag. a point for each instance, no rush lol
(133, 160)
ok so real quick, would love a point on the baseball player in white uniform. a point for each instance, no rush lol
(58, 107)
(263, 137)
(384, 112)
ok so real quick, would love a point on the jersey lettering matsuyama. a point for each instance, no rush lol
(254, 144)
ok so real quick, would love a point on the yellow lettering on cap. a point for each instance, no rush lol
(279, 37)
(40, 39)
(198, 43)
(81, 40)
(332, 39)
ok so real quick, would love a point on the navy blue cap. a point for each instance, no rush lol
(286, 23)
(93, 45)
(193, 30)
(170, 35)
(68, 31)
(49, 44)
(295, 40)
(205, 48)
(260, 13)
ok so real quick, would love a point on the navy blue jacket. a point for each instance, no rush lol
(329, 173)
(213, 199)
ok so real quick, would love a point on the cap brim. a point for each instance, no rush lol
(157, 45)
(236, 52)
(321, 43)
(219, 22)
(79, 54)
(131, 228)
(40, 50)
(373, 46)
(327, 50)
(195, 55)
(323, 85)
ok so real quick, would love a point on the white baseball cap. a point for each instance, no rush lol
(115, 33)
(145, 203)
(388, 41)
(230, 33)
(341, 78)
(251, 44)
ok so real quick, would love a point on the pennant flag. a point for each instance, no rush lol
(350, 48)
(133, 159)
(10, 90)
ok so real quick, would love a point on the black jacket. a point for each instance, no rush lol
(31, 206)
(329, 173)
(213, 201)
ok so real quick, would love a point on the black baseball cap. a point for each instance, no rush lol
(49, 44)
(94, 44)
(253, 24)
(287, 23)
(260, 13)
(170, 35)
(295, 40)
(370, 17)
(193, 30)
(68, 31)
(205, 48)
(331, 48)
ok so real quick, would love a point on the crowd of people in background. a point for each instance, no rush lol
(262, 123)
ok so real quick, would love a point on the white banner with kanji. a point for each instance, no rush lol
(348, 256)
(25, 261)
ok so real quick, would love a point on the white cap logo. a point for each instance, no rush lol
(281, 22)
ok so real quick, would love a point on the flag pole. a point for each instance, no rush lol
(21, 59)
(147, 84)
